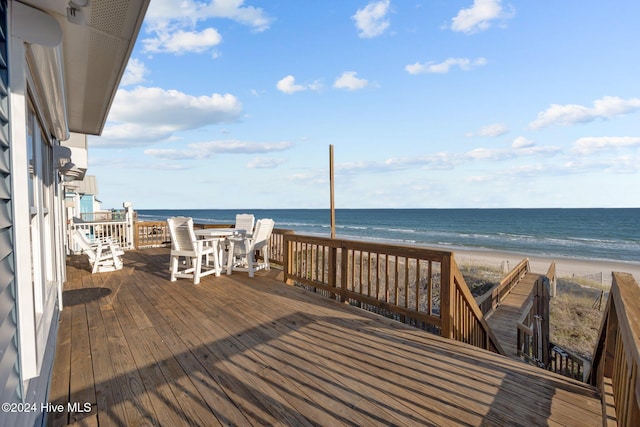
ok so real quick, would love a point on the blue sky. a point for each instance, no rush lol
(429, 104)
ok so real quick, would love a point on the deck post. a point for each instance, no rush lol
(344, 271)
(446, 296)
(333, 269)
(543, 310)
(287, 259)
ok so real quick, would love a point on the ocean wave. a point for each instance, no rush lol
(538, 231)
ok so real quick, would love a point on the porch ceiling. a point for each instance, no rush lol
(95, 55)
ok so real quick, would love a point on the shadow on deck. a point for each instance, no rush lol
(238, 351)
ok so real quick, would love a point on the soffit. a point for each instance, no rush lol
(95, 55)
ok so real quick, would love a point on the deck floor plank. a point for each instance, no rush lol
(329, 355)
(195, 381)
(242, 322)
(240, 351)
(157, 389)
(184, 392)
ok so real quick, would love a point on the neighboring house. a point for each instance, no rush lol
(60, 65)
(82, 201)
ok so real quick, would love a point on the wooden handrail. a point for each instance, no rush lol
(416, 285)
(617, 354)
(532, 327)
(470, 325)
(490, 299)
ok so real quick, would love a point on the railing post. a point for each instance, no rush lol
(129, 225)
(446, 296)
(333, 269)
(136, 235)
(544, 312)
(287, 259)
(344, 271)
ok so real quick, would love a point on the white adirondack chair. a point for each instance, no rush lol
(103, 256)
(244, 249)
(245, 222)
(185, 244)
(104, 241)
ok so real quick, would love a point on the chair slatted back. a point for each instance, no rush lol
(245, 222)
(264, 228)
(82, 241)
(182, 235)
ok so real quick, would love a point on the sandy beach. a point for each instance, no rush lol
(565, 267)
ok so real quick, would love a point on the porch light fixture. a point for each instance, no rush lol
(78, 3)
(75, 14)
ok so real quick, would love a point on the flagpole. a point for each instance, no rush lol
(333, 209)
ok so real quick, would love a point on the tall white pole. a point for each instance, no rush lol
(333, 209)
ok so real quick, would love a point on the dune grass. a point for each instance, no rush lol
(576, 314)
(480, 278)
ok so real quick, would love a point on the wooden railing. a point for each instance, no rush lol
(277, 246)
(527, 336)
(616, 357)
(565, 363)
(151, 234)
(490, 299)
(532, 335)
(418, 286)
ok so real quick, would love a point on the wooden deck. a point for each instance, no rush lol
(238, 351)
(504, 319)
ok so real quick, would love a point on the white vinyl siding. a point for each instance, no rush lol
(10, 389)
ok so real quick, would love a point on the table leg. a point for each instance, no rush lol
(230, 257)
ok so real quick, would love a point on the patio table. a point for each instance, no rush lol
(221, 234)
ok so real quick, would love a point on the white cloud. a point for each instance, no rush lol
(521, 147)
(233, 146)
(589, 145)
(571, 114)
(437, 161)
(522, 142)
(495, 129)
(371, 21)
(444, 67)
(264, 163)
(203, 150)
(144, 115)
(613, 165)
(349, 81)
(479, 16)
(173, 25)
(289, 86)
(489, 154)
(180, 41)
(164, 13)
(173, 154)
(134, 73)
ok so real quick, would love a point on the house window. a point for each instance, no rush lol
(41, 226)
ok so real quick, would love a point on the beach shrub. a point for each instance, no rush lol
(576, 314)
(480, 278)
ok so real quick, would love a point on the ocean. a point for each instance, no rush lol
(603, 234)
